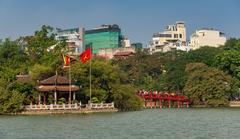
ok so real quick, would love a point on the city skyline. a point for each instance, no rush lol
(137, 19)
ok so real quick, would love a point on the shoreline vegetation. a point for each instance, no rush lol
(208, 76)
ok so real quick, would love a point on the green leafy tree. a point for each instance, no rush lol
(229, 61)
(107, 83)
(125, 98)
(204, 55)
(232, 44)
(142, 69)
(39, 43)
(207, 85)
(176, 61)
(40, 72)
(12, 59)
(11, 101)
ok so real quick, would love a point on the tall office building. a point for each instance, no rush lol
(105, 36)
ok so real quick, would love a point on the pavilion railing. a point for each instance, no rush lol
(76, 106)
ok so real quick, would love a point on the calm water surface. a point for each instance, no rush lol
(146, 124)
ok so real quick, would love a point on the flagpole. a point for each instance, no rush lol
(90, 71)
(70, 82)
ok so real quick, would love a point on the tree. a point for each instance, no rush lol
(10, 101)
(107, 84)
(176, 62)
(232, 44)
(207, 85)
(125, 98)
(40, 42)
(142, 69)
(229, 61)
(12, 59)
(40, 71)
(204, 55)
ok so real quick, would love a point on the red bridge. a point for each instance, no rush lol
(163, 99)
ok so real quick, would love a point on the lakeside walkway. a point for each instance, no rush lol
(68, 108)
(234, 104)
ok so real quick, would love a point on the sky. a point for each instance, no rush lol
(138, 19)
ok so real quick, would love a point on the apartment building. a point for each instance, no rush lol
(173, 37)
(74, 38)
(207, 37)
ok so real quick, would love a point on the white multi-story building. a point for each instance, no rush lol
(206, 37)
(126, 42)
(74, 38)
(173, 37)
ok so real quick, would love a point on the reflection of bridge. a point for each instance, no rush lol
(154, 99)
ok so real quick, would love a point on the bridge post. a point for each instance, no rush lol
(160, 103)
(169, 103)
(178, 103)
(151, 103)
(155, 104)
(145, 103)
(187, 104)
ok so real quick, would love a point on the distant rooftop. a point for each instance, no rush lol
(207, 29)
(104, 28)
(180, 22)
(213, 29)
(68, 30)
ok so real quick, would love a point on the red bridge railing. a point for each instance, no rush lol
(163, 99)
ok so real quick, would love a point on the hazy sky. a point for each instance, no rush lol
(138, 19)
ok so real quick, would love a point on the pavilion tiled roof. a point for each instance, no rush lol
(63, 88)
(55, 80)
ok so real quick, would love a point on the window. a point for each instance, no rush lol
(180, 35)
(175, 35)
(162, 35)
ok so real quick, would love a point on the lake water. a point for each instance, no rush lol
(146, 124)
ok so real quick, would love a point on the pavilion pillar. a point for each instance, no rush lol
(69, 98)
(39, 98)
(55, 97)
(74, 95)
(44, 99)
(160, 103)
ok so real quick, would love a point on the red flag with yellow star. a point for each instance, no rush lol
(66, 60)
(86, 55)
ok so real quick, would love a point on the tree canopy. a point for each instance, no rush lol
(207, 85)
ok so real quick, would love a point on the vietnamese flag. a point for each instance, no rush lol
(86, 55)
(66, 60)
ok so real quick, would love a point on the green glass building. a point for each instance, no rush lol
(106, 36)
